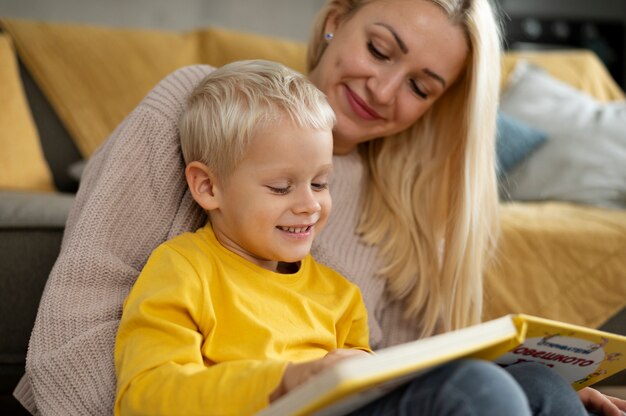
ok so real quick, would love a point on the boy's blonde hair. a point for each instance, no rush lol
(235, 101)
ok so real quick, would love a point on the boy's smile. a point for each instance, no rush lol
(276, 201)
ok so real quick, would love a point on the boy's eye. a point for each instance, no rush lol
(417, 90)
(319, 186)
(279, 190)
(375, 52)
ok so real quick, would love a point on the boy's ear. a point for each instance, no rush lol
(201, 182)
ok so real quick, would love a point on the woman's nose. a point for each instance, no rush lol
(385, 86)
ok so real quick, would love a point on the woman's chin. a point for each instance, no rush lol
(348, 134)
(344, 144)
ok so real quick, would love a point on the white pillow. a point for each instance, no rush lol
(584, 157)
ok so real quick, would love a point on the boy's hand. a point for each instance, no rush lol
(296, 374)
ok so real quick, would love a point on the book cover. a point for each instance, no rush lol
(581, 355)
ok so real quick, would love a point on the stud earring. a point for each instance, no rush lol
(329, 36)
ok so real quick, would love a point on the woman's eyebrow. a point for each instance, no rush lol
(405, 50)
(399, 41)
(435, 76)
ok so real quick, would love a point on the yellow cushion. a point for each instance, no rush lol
(21, 158)
(581, 69)
(94, 75)
(219, 46)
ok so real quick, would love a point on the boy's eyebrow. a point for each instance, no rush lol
(327, 169)
(405, 50)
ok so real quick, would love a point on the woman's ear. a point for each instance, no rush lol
(333, 21)
(201, 182)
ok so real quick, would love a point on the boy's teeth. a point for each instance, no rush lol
(295, 230)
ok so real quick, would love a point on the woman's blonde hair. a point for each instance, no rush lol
(432, 204)
(235, 101)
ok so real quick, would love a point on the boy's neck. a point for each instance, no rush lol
(287, 268)
(272, 265)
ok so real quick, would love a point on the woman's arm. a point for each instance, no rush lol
(132, 197)
(598, 402)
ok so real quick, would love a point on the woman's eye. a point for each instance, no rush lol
(279, 190)
(319, 186)
(375, 52)
(417, 90)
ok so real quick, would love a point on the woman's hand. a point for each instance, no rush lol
(598, 402)
(297, 374)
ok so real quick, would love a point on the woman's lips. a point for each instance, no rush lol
(359, 106)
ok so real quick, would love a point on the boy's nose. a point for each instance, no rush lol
(307, 202)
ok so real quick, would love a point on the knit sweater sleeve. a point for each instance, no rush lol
(131, 199)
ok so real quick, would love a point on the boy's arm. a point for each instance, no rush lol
(158, 352)
(299, 373)
(353, 334)
(355, 325)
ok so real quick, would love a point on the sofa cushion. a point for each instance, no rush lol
(57, 145)
(119, 66)
(116, 69)
(584, 158)
(515, 141)
(19, 141)
(218, 47)
(580, 69)
(23, 210)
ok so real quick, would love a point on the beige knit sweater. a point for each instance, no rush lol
(133, 197)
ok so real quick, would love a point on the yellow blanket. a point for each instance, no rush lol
(555, 260)
(559, 261)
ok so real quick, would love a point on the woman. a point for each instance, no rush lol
(382, 72)
(414, 84)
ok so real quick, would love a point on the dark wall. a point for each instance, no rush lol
(599, 25)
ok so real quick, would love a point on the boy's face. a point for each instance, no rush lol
(276, 200)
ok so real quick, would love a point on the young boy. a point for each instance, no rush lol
(228, 318)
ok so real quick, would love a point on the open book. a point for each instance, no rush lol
(581, 355)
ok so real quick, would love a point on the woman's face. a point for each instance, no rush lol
(386, 65)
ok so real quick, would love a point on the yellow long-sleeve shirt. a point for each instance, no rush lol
(206, 332)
